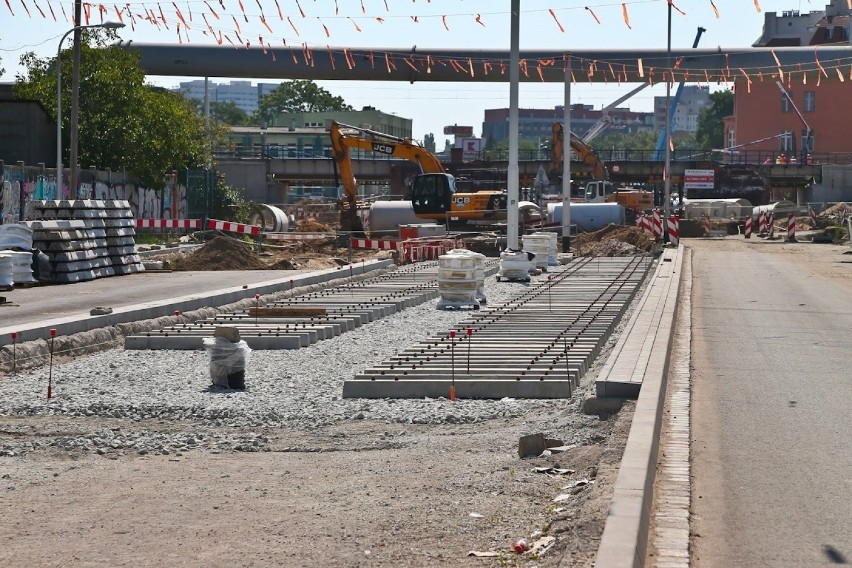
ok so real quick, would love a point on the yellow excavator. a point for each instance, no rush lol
(433, 191)
(600, 190)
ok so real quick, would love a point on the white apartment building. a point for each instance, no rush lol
(242, 93)
(693, 98)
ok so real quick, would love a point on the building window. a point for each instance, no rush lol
(785, 103)
(732, 140)
(810, 101)
(787, 141)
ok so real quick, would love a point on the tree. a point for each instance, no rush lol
(123, 122)
(710, 131)
(297, 96)
(226, 112)
(429, 142)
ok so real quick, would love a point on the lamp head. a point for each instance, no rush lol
(111, 25)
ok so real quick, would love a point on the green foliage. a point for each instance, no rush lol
(226, 112)
(230, 203)
(429, 142)
(644, 140)
(709, 132)
(297, 96)
(124, 123)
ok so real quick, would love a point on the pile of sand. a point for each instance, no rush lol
(310, 225)
(222, 253)
(613, 240)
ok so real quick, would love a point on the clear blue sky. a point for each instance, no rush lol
(439, 23)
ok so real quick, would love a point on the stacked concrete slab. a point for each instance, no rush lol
(86, 239)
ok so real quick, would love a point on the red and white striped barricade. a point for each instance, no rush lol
(648, 225)
(427, 248)
(812, 214)
(375, 244)
(674, 229)
(769, 220)
(842, 214)
(168, 223)
(708, 225)
(748, 222)
(791, 228)
(658, 224)
(296, 236)
(229, 227)
(761, 222)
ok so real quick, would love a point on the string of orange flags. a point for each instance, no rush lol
(301, 52)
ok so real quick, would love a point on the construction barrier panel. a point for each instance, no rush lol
(761, 222)
(748, 222)
(375, 244)
(427, 248)
(228, 227)
(791, 228)
(674, 229)
(298, 236)
(168, 223)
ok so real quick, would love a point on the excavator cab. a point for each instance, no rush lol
(432, 193)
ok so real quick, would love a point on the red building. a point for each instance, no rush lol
(795, 116)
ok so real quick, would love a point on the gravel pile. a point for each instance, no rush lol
(167, 403)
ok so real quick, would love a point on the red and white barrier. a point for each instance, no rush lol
(769, 220)
(228, 227)
(761, 222)
(813, 216)
(748, 222)
(427, 248)
(791, 228)
(658, 224)
(168, 223)
(708, 225)
(674, 229)
(298, 236)
(375, 244)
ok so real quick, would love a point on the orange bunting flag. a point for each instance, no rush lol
(706, 76)
(479, 19)
(612, 71)
(363, 9)
(357, 29)
(444, 21)
(372, 61)
(336, 8)
(470, 66)
(237, 24)
(523, 65)
(415, 19)
(330, 57)
(840, 75)
(626, 16)
(212, 11)
(819, 65)
(180, 40)
(641, 70)
(388, 63)
(671, 144)
(486, 67)
(593, 14)
(757, 6)
(325, 29)
(229, 41)
(407, 61)
(778, 63)
(380, 20)
(52, 14)
(263, 21)
(293, 26)
(555, 19)
(715, 9)
(299, 6)
(27, 10)
(280, 15)
(179, 15)
(162, 16)
(239, 39)
(86, 11)
(39, 8)
(293, 56)
(8, 5)
(540, 74)
(672, 4)
(386, 6)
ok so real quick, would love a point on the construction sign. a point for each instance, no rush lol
(699, 179)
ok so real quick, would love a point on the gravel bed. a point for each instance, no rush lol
(299, 389)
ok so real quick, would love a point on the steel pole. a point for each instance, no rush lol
(59, 114)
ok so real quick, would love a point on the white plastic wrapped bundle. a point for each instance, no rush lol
(515, 265)
(22, 266)
(539, 245)
(16, 236)
(6, 277)
(461, 278)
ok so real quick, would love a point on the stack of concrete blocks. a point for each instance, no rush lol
(86, 239)
(539, 245)
(460, 279)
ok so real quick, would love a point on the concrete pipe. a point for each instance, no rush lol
(270, 218)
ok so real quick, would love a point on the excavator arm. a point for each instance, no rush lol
(584, 151)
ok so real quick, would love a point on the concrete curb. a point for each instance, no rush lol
(625, 537)
(150, 310)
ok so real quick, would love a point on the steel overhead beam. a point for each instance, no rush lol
(459, 65)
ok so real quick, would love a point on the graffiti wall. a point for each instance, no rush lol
(21, 185)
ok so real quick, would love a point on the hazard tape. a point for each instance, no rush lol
(228, 227)
(375, 244)
(298, 236)
(168, 223)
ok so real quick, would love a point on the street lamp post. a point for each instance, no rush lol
(105, 25)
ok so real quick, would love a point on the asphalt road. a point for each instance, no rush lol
(58, 301)
(772, 409)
